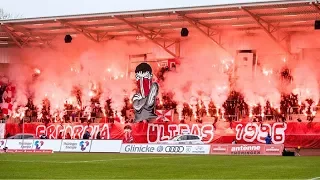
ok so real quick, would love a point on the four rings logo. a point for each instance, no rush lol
(174, 149)
(160, 149)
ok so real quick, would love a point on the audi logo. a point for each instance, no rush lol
(160, 149)
(176, 149)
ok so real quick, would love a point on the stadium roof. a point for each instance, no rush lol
(165, 24)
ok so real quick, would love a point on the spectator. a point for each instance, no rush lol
(199, 120)
(128, 138)
(298, 150)
(68, 136)
(86, 135)
(60, 135)
(234, 141)
(268, 139)
(98, 135)
(8, 135)
(43, 136)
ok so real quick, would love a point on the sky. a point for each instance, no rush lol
(47, 8)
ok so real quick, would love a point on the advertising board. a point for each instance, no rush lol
(219, 149)
(75, 145)
(19, 144)
(165, 149)
(106, 146)
(247, 149)
(65, 145)
(52, 144)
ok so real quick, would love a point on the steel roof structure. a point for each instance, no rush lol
(163, 26)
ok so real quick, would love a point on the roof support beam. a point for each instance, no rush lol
(207, 31)
(30, 35)
(83, 31)
(269, 29)
(316, 7)
(92, 35)
(11, 34)
(152, 37)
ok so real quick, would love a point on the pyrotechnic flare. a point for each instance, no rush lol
(179, 110)
(193, 103)
(206, 102)
(39, 114)
(222, 113)
(87, 112)
(217, 111)
(61, 114)
(120, 117)
(194, 111)
(306, 86)
(250, 111)
(304, 111)
(54, 77)
(102, 103)
(199, 104)
(117, 103)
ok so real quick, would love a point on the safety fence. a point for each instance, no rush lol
(116, 146)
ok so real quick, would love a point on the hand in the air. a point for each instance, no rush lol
(137, 96)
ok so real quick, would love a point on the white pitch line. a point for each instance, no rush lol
(89, 161)
(315, 178)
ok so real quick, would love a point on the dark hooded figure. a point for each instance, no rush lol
(98, 135)
(144, 100)
(86, 135)
(268, 139)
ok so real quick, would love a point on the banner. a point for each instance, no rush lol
(247, 149)
(2, 130)
(165, 149)
(254, 132)
(292, 134)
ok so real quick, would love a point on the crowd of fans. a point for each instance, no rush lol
(234, 108)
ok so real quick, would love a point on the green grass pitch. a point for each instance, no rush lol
(142, 166)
